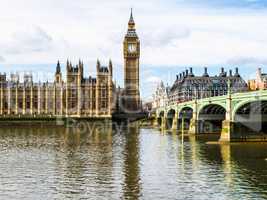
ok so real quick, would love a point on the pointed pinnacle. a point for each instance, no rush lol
(131, 17)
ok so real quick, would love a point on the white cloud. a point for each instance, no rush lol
(170, 35)
(153, 79)
(247, 61)
(31, 39)
(2, 59)
(165, 36)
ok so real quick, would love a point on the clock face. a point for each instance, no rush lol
(131, 48)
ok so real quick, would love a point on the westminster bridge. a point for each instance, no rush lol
(237, 117)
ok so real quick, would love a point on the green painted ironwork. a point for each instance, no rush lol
(236, 100)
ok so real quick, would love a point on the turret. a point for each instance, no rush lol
(68, 66)
(58, 76)
(80, 67)
(58, 70)
(97, 65)
(110, 67)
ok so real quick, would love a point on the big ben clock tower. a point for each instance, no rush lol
(131, 51)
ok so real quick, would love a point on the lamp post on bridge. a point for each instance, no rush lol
(227, 124)
(183, 112)
(229, 91)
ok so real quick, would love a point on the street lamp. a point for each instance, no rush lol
(183, 112)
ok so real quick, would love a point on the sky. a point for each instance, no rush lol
(174, 35)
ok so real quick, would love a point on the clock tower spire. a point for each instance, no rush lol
(131, 52)
(131, 24)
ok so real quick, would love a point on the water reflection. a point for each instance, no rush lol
(132, 163)
(227, 165)
(132, 183)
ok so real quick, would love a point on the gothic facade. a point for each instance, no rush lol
(76, 95)
(161, 96)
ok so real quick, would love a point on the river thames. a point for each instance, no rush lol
(61, 163)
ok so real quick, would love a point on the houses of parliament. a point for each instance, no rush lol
(76, 95)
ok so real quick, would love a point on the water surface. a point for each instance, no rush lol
(61, 163)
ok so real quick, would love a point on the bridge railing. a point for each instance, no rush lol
(236, 94)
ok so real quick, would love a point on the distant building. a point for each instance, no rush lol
(147, 107)
(260, 83)
(187, 86)
(161, 96)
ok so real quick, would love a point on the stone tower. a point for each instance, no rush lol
(73, 88)
(131, 50)
(58, 75)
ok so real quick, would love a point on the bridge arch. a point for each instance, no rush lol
(201, 106)
(186, 106)
(250, 118)
(186, 114)
(159, 113)
(170, 118)
(210, 118)
(240, 104)
(160, 116)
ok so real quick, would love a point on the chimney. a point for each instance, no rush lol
(183, 74)
(223, 73)
(177, 77)
(180, 76)
(205, 72)
(186, 72)
(230, 73)
(191, 72)
(236, 72)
